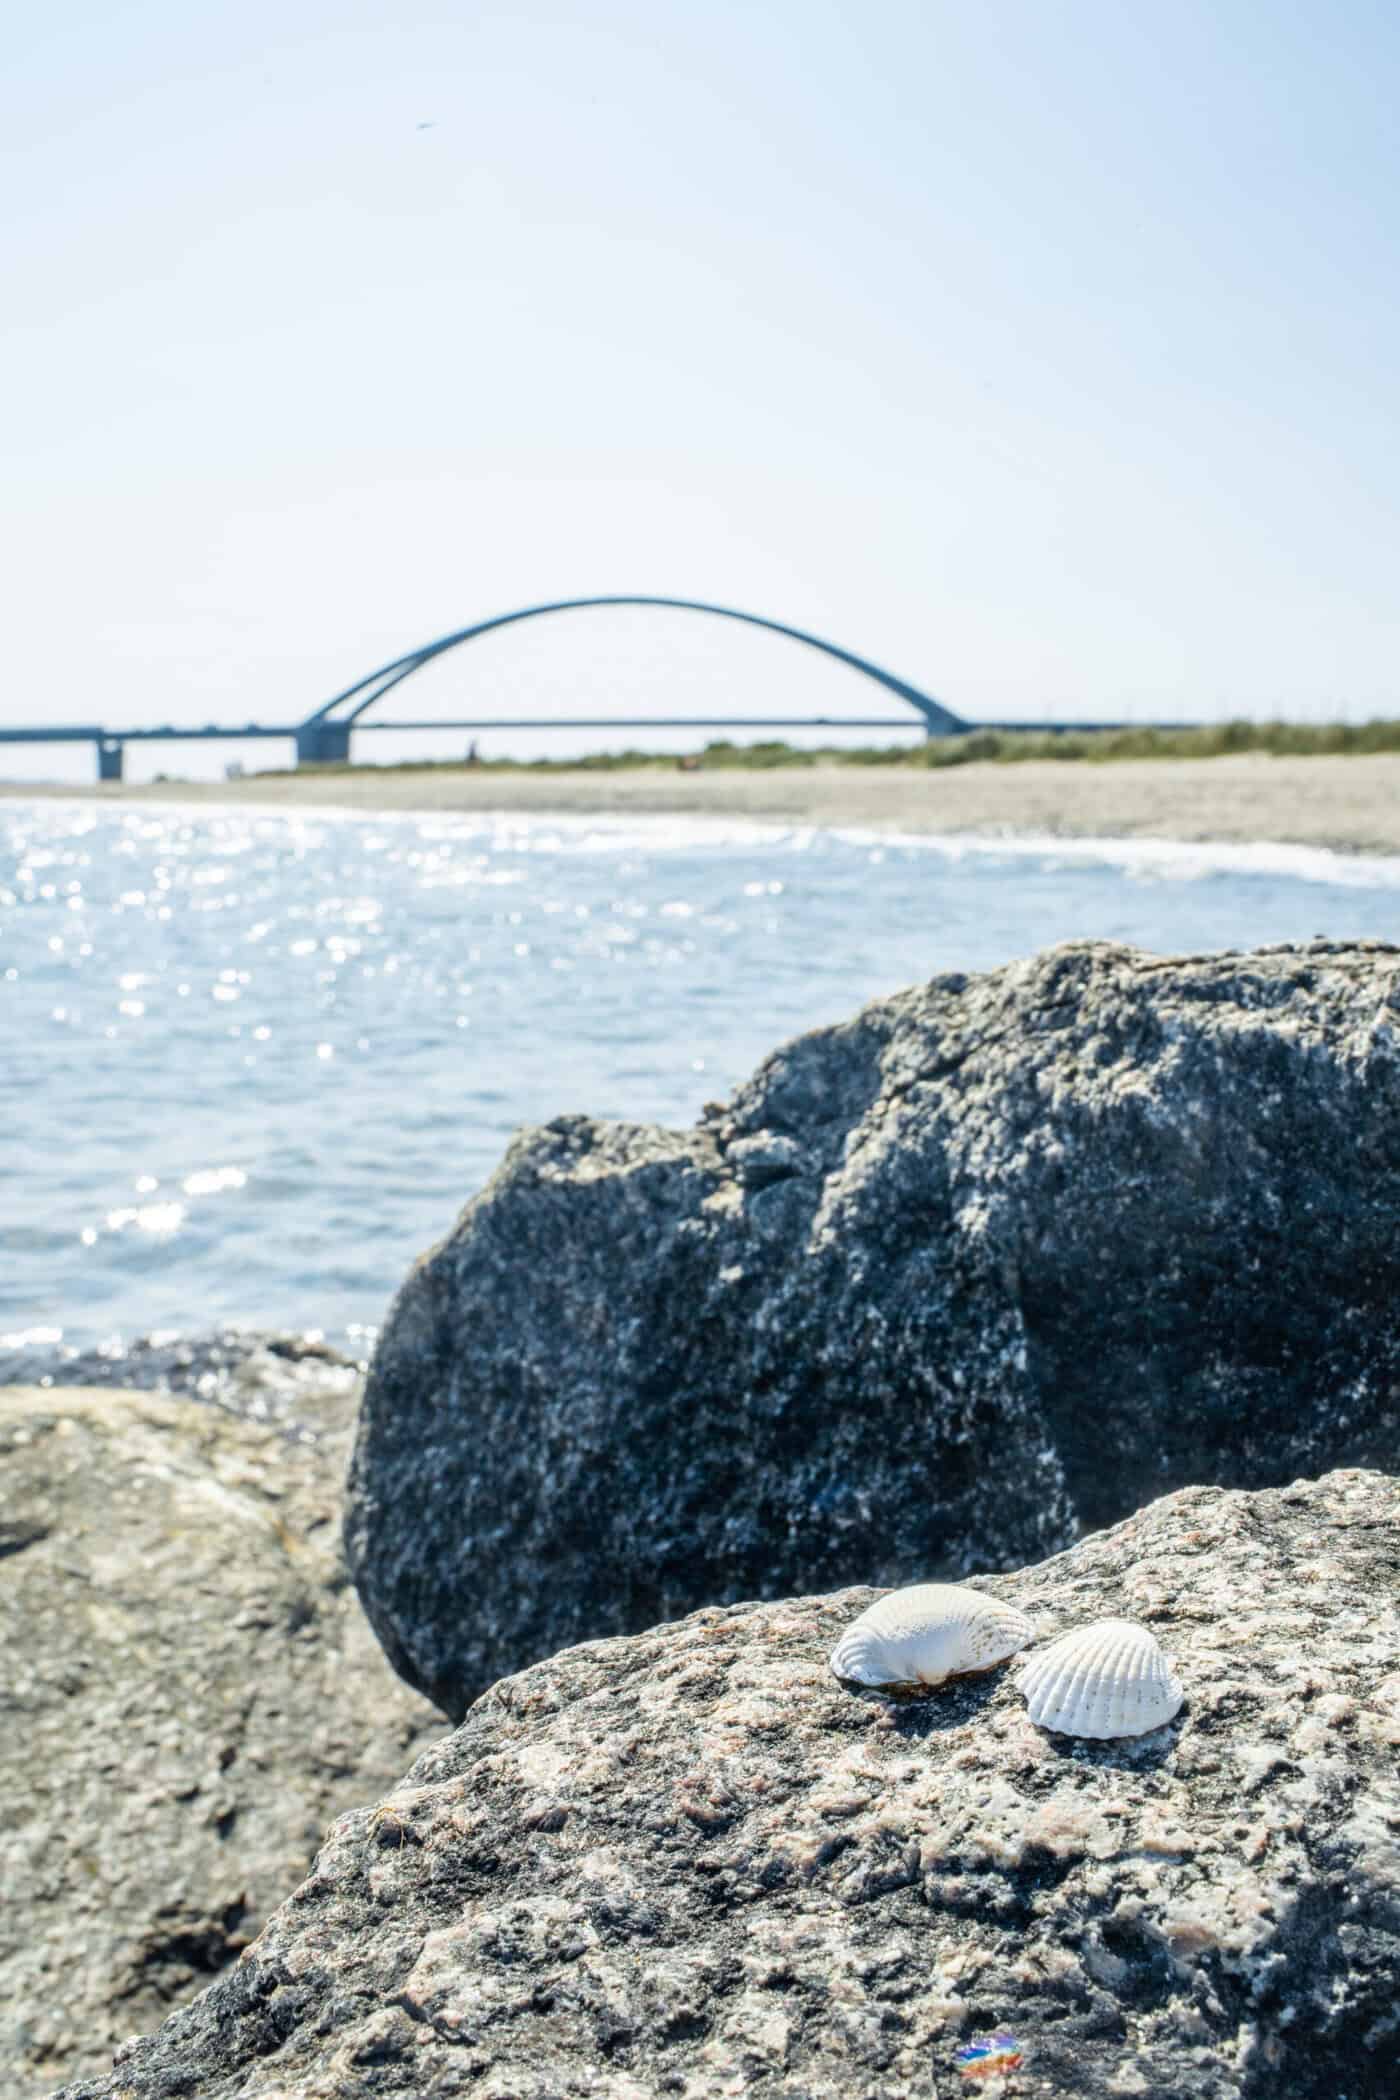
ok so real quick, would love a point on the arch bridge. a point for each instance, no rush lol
(324, 738)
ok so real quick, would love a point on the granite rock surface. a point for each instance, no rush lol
(188, 1695)
(1003, 1256)
(687, 1862)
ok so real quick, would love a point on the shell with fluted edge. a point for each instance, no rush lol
(923, 1635)
(1102, 1681)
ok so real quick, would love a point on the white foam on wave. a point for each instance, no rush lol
(1163, 859)
(1147, 859)
(544, 832)
(1173, 860)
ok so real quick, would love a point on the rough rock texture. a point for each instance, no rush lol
(188, 1695)
(688, 1863)
(1003, 1255)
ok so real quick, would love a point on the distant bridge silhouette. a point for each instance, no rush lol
(327, 723)
(324, 737)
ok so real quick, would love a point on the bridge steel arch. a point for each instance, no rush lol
(324, 737)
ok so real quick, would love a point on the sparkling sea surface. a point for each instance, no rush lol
(256, 1062)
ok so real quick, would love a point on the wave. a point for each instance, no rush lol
(541, 832)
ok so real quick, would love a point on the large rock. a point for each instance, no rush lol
(1002, 1256)
(188, 1695)
(688, 1863)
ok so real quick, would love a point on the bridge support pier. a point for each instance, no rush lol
(110, 753)
(323, 744)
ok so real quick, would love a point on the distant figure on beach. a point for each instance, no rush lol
(473, 755)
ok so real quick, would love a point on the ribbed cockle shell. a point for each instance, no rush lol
(925, 1634)
(1104, 1680)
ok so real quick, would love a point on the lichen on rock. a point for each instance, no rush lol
(688, 1862)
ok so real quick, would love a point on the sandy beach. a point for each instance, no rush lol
(1349, 803)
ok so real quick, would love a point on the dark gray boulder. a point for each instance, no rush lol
(1002, 1256)
(686, 1862)
(188, 1695)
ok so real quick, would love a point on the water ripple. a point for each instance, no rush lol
(257, 1061)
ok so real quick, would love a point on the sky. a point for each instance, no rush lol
(1047, 354)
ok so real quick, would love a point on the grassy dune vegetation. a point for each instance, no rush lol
(999, 746)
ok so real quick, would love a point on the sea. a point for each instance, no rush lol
(256, 1061)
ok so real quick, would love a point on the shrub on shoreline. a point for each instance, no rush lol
(1277, 739)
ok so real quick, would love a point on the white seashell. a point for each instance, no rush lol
(1104, 1680)
(926, 1634)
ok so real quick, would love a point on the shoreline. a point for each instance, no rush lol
(1349, 804)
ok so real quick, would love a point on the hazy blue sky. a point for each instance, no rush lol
(1046, 353)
